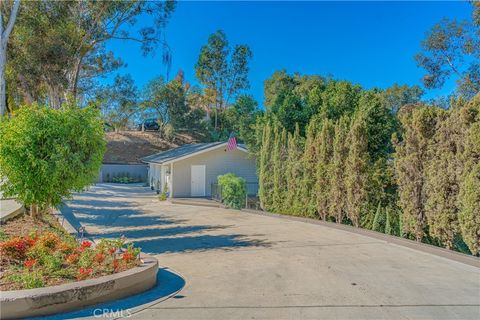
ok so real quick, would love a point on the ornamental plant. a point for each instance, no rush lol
(46, 154)
(234, 190)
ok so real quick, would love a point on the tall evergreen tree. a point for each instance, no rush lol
(309, 170)
(265, 173)
(279, 176)
(469, 193)
(338, 203)
(324, 164)
(411, 155)
(294, 172)
(379, 220)
(356, 170)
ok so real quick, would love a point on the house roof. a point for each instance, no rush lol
(186, 151)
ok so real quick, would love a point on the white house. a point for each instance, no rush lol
(190, 170)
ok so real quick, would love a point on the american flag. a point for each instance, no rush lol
(232, 142)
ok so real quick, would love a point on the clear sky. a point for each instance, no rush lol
(370, 43)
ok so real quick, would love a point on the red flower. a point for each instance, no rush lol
(85, 244)
(127, 256)
(112, 250)
(99, 257)
(84, 273)
(116, 264)
(15, 248)
(30, 263)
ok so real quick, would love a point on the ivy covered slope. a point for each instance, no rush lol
(46, 154)
(332, 150)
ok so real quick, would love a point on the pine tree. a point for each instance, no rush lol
(324, 163)
(340, 152)
(356, 171)
(411, 155)
(294, 172)
(309, 161)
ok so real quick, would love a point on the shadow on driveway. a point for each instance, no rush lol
(168, 283)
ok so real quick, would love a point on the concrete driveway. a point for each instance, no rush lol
(238, 265)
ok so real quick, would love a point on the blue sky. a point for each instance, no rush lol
(370, 43)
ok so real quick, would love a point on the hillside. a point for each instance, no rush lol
(131, 146)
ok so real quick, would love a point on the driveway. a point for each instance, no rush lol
(238, 265)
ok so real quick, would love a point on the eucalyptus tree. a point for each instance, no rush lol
(9, 16)
(222, 70)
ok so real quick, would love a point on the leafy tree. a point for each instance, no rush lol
(411, 156)
(222, 71)
(4, 36)
(47, 154)
(397, 96)
(338, 205)
(324, 164)
(356, 170)
(340, 98)
(452, 48)
(72, 52)
(242, 118)
(119, 102)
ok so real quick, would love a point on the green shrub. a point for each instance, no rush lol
(46, 154)
(28, 279)
(233, 190)
(164, 195)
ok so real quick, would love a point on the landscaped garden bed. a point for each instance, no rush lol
(38, 253)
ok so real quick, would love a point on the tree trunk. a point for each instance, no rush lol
(3, 62)
(4, 34)
(35, 211)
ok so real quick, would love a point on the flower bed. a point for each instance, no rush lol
(36, 254)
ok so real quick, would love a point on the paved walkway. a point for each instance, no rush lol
(238, 265)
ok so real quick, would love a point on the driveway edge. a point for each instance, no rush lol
(423, 247)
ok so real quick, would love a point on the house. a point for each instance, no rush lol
(192, 169)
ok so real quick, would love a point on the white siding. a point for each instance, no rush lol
(217, 162)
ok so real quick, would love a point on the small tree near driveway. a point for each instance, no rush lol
(234, 190)
(46, 154)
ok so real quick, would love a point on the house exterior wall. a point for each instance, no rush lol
(109, 171)
(217, 162)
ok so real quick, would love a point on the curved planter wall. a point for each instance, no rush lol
(71, 296)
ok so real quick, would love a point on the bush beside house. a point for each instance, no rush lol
(233, 190)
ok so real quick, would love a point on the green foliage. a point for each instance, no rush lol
(279, 170)
(338, 203)
(222, 70)
(294, 173)
(233, 190)
(265, 172)
(451, 49)
(411, 156)
(29, 279)
(379, 220)
(324, 142)
(164, 195)
(46, 154)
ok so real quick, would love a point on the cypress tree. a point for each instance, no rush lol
(325, 153)
(340, 152)
(309, 171)
(265, 165)
(279, 177)
(379, 220)
(356, 171)
(469, 193)
(411, 155)
(389, 223)
(294, 172)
